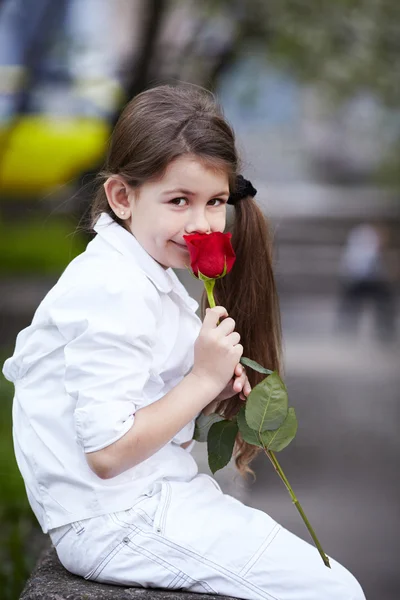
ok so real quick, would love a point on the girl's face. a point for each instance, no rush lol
(189, 198)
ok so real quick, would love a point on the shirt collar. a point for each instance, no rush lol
(165, 280)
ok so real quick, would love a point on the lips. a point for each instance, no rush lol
(182, 246)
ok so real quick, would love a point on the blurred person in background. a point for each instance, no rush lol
(365, 280)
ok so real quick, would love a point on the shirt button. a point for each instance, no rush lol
(126, 540)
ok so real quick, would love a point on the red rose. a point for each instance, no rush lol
(209, 253)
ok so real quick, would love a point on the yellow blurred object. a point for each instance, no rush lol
(40, 153)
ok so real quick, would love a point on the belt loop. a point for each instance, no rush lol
(78, 527)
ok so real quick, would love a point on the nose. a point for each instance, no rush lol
(197, 222)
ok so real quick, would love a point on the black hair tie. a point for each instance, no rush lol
(244, 189)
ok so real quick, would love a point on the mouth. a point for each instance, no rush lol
(181, 246)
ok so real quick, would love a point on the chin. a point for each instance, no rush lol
(177, 264)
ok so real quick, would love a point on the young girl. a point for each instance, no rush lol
(116, 366)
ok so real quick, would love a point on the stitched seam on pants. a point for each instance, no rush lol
(156, 559)
(177, 578)
(184, 576)
(144, 516)
(95, 572)
(101, 566)
(211, 563)
(122, 524)
(55, 544)
(251, 562)
(206, 587)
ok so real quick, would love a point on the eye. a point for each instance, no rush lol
(221, 202)
(175, 201)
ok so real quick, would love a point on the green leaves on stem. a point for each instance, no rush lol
(265, 421)
(203, 425)
(267, 404)
(247, 362)
(270, 440)
(221, 440)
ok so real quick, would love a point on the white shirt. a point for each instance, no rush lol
(114, 334)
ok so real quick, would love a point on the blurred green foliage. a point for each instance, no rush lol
(347, 47)
(38, 246)
(18, 523)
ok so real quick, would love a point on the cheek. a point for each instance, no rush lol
(170, 225)
(219, 222)
(165, 229)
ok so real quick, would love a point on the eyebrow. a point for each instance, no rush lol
(189, 193)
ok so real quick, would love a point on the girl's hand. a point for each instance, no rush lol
(216, 351)
(239, 384)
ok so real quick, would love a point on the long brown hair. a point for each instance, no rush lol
(155, 128)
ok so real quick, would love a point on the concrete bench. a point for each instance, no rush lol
(50, 581)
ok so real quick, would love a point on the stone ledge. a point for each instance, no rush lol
(50, 581)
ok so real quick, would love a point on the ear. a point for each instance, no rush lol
(117, 191)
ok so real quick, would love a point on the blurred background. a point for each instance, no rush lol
(313, 92)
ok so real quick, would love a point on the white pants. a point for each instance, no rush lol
(191, 536)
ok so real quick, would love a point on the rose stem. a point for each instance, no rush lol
(209, 285)
(297, 504)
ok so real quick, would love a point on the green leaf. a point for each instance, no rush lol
(203, 424)
(267, 404)
(248, 434)
(279, 439)
(220, 443)
(247, 362)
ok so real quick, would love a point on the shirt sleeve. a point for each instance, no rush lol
(110, 329)
(190, 447)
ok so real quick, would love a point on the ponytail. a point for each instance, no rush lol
(249, 294)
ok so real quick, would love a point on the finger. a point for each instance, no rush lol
(239, 370)
(239, 351)
(233, 338)
(247, 387)
(244, 383)
(213, 315)
(227, 326)
(237, 387)
(238, 384)
(242, 378)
